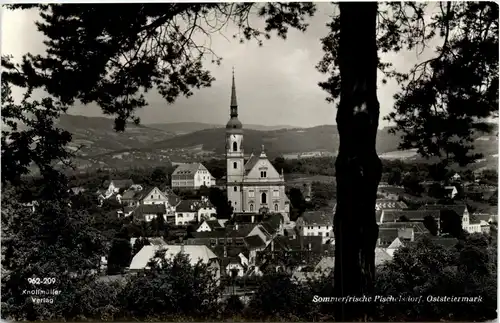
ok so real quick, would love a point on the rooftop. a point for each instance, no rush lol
(188, 169)
(119, 183)
(317, 218)
(195, 253)
(408, 215)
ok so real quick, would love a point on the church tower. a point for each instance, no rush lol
(234, 155)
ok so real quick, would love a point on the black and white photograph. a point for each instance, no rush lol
(249, 161)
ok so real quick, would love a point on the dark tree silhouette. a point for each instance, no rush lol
(434, 111)
(120, 256)
(159, 178)
(138, 244)
(395, 177)
(431, 225)
(436, 190)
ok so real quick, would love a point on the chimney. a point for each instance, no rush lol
(253, 219)
(236, 226)
(309, 246)
(272, 245)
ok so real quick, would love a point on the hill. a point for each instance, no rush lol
(181, 128)
(146, 145)
(277, 142)
(95, 135)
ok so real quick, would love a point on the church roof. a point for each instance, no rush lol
(251, 163)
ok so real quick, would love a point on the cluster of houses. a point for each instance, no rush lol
(148, 203)
(250, 244)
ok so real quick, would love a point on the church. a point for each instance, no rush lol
(255, 185)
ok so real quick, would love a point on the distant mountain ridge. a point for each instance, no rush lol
(277, 142)
(141, 144)
(187, 127)
(96, 135)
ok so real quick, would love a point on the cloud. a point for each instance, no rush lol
(276, 83)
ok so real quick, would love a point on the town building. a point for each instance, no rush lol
(316, 224)
(255, 185)
(113, 188)
(210, 225)
(148, 212)
(450, 191)
(188, 211)
(137, 196)
(191, 176)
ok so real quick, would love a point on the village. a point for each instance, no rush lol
(251, 243)
(258, 235)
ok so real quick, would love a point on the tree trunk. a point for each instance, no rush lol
(358, 168)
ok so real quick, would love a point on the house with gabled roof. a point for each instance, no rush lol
(147, 195)
(191, 176)
(188, 211)
(148, 212)
(386, 236)
(289, 254)
(317, 224)
(209, 225)
(233, 258)
(114, 186)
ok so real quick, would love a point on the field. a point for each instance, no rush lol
(293, 179)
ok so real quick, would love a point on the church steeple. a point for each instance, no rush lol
(234, 102)
(234, 124)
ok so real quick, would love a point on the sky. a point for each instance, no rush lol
(276, 83)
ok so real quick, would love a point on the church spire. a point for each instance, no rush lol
(234, 125)
(234, 103)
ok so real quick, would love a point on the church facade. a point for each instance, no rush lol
(253, 185)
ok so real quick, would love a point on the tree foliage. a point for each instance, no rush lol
(171, 289)
(466, 270)
(120, 255)
(445, 100)
(55, 242)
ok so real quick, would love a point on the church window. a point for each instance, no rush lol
(235, 146)
(276, 207)
(251, 193)
(276, 193)
(263, 174)
(263, 198)
(235, 189)
(251, 207)
(235, 165)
